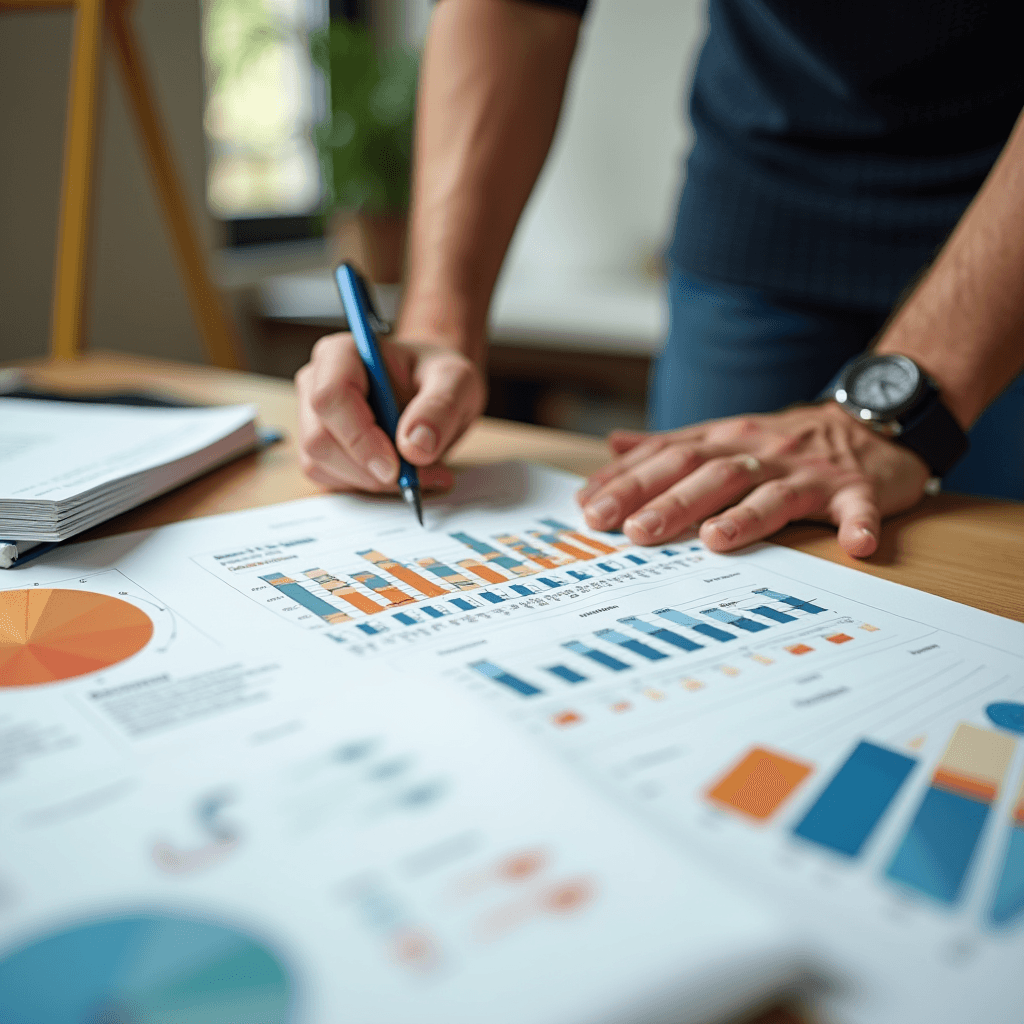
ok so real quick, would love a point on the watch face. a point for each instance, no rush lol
(883, 383)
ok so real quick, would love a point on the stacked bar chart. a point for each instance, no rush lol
(940, 844)
(300, 595)
(499, 675)
(854, 801)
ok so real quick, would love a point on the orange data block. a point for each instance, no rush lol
(838, 638)
(652, 694)
(478, 569)
(348, 593)
(566, 718)
(759, 784)
(965, 785)
(799, 649)
(390, 593)
(868, 628)
(571, 549)
(49, 635)
(693, 685)
(593, 542)
(620, 706)
(728, 670)
(406, 575)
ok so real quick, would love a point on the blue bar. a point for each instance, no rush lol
(367, 628)
(695, 624)
(665, 635)
(576, 574)
(493, 598)
(795, 602)
(520, 589)
(300, 595)
(637, 559)
(434, 613)
(499, 675)
(463, 604)
(599, 656)
(406, 620)
(549, 583)
(853, 803)
(480, 547)
(1008, 901)
(669, 552)
(556, 525)
(507, 563)
(771, 613)
(939, 845)
(1007, 715)
(608, 567)
(615, 637)
(567, 674)
(734, 620)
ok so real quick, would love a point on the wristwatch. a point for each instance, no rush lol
(894, 396)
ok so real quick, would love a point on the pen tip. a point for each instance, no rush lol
(412, 496)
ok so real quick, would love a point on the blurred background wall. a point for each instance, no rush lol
(579, 311)
(136, 300)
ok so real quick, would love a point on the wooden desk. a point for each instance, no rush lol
(966, 549)
(963, 548)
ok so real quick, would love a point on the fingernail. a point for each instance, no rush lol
(726, 527)
(650, 523)
(866, 532)
(423, 438)
(604, 510)
(382, 470)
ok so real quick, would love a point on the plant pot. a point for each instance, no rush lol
(373, 242)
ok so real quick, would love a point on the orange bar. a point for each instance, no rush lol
(400, 572)
(597, 545)
(838, 638)
(482, 571)
(391, 594)
(799, 648)
(336, 588)
(760, 783)
(569, 549)
(966, 785)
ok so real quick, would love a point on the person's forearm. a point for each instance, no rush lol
(491, 87)
(964, 324)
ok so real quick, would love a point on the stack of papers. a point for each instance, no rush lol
(65, 467)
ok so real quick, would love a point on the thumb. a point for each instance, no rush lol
(450, 396)
(855, 510)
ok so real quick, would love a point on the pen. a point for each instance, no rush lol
(362, 318)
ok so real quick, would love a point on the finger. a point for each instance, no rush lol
(449, 398)
(636, 485)
(645, 449)
(334, 387)
(324, 462)
(855, 510)
(621, 441)
(717, 483)
(762, 512)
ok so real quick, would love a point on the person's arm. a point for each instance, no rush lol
(964, 325)
(491, 85)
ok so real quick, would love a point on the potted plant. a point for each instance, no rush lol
(365, 146)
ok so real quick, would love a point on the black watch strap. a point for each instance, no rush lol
(935, 435)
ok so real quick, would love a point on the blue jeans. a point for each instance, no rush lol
(733, 350)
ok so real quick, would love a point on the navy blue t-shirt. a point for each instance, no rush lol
(837, 144)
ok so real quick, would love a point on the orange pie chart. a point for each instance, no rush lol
(48, 635)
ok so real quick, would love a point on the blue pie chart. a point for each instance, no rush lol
(151, 969)
(1007, 714)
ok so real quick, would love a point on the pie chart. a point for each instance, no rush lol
(48, 635)
(150, 969)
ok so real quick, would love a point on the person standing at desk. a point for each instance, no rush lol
(836, 147)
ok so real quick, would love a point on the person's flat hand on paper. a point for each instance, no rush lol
(341, 447)
(746, 477)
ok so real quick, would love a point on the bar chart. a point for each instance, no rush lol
(940, 844)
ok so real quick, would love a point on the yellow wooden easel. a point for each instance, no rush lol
(95, 19)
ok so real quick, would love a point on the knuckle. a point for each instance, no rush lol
(322, 398)
(782, 492)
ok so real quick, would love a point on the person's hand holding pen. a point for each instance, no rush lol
(341, 447)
